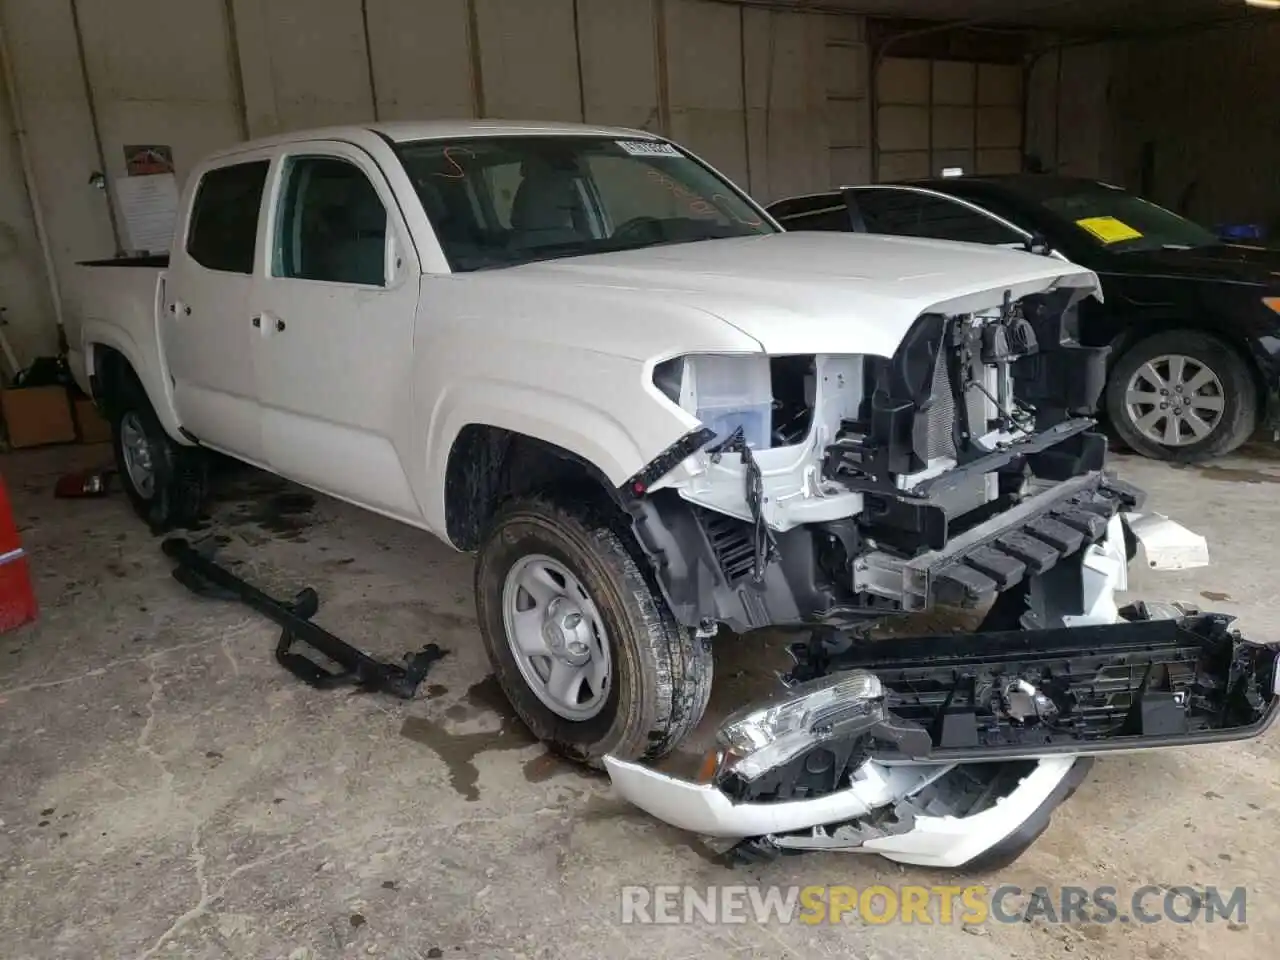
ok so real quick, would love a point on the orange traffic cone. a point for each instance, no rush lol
(17, 599)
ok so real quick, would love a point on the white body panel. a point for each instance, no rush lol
(933, 841)
(364, 391)
(1166, 544)
(333, 364)
(120, 310)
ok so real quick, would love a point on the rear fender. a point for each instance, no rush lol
(145, 361)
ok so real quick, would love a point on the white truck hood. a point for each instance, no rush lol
(799, 293)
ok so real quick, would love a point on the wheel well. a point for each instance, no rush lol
(112, 372)
(1138, 332)
(489, 466)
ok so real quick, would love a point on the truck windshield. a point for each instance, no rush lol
(502, 201)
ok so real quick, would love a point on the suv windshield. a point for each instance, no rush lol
(500, 201)
(1122, 222)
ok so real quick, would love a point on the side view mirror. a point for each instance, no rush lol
(1036, 243)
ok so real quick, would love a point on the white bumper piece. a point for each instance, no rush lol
(937, 841)
(1166, 544)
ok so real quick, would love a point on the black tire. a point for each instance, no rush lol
(180, 473)
(1240, 395)
(661, 671)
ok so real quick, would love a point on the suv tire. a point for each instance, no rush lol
(1225, 398)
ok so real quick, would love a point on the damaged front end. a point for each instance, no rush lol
(948, 752)
(962, 471)
(839, 488)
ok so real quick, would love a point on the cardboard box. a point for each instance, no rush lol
(90, 423)
(35, 416)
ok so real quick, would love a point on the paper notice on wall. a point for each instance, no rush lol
(149, 208)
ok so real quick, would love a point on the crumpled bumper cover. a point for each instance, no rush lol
(1130, 685)
(934, 841)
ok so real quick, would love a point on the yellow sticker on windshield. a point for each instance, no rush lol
(1109, 229)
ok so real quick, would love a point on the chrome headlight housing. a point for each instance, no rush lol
(761, 737)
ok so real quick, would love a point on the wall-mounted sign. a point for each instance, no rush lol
(149, 206)
(148, 159)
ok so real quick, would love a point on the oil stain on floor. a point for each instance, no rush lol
(459, 751)
(1236, 474)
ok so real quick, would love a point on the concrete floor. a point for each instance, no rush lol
(168, 791)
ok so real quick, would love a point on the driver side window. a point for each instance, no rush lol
(332, 225)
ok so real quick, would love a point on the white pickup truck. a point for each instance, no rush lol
(585, 355)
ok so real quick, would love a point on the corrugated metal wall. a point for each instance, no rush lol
(934, 114)
(780, 101)
(776, 100)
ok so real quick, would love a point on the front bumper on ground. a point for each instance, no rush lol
(960, 757)
(833, 822)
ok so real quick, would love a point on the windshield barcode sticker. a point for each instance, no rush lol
(648, 148)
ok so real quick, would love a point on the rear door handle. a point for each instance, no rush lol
(272, 322)
(179, 309)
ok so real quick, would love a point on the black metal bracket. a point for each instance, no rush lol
(198, 572)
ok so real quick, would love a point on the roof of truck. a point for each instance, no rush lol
(410, 130)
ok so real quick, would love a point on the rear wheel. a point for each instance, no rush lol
(164, 481)
(1183, 396)
(583, 646)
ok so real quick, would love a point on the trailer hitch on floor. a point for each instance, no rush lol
(198, 572)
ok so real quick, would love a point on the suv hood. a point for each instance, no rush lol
(818, 292)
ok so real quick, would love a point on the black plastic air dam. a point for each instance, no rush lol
(1123, 686)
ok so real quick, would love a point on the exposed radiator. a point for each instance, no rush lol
(942, 414)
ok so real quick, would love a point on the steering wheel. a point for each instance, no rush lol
(635, 227)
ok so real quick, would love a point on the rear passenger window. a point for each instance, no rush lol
(224, 217)
(332, 226)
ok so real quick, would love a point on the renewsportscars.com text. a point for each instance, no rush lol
(944, 905)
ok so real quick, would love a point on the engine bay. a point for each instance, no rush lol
(814, 479)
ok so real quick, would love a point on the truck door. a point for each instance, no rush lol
(334, 319)
(205, 330)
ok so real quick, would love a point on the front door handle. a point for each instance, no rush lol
(257, 322)
(179, 309)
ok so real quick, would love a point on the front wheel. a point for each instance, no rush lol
(1183, 396)
(585, 649)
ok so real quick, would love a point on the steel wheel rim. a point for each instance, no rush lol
(557, 637)
(1175, 400)
(136, 449)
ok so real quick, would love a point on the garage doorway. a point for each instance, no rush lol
(935, 114)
